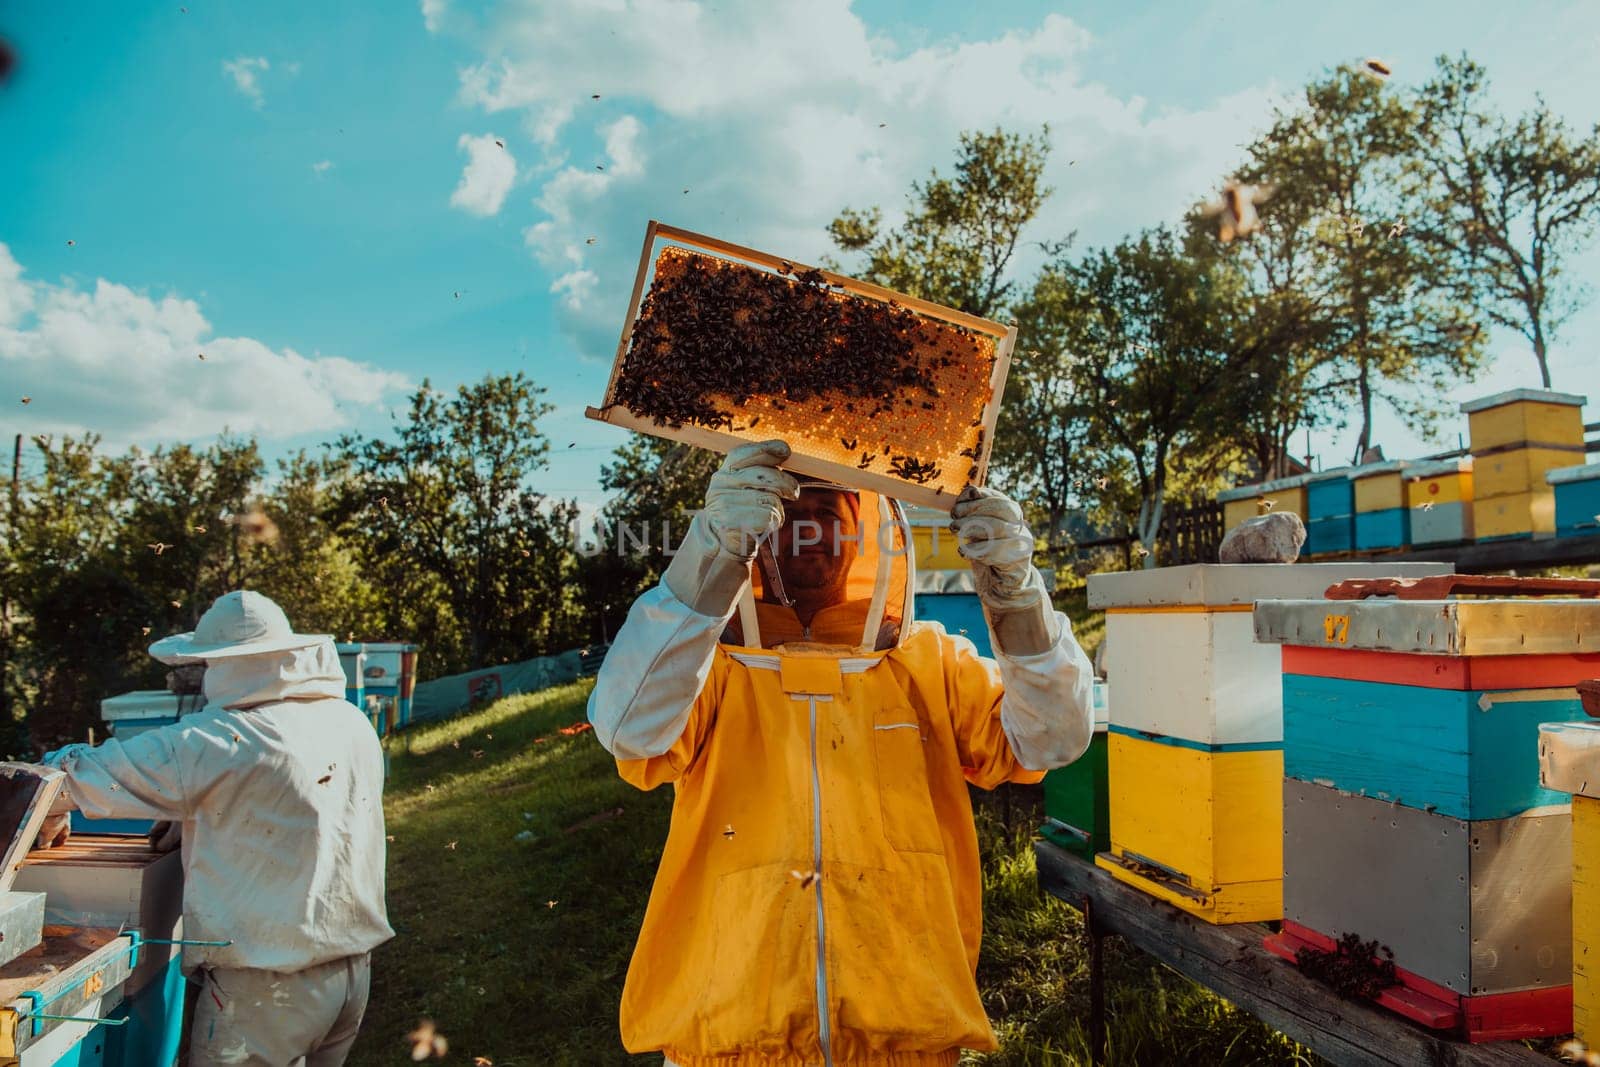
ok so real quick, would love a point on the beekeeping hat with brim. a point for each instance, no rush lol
(242, 623)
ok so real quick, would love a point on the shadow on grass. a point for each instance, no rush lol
(517, 949)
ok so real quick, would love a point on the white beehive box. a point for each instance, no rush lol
(1181, 651)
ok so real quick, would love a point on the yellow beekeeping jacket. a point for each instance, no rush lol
(818, 900)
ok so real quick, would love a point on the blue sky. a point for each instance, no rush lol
(311, 193)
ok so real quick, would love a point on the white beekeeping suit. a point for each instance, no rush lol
(278, 785)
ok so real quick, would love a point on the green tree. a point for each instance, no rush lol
(1397, 331)
(452, 497)
(1154, 351)
(658, 485)
(1281, 268)
(306, 564)
(1509, 201)
(957, 241)
(112, 552)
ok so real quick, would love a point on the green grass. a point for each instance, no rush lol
(509, 977)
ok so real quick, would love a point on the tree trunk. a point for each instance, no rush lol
(1150, 525)
(1540, 354)
(1364, 391)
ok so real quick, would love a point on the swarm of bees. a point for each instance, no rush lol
(708, 326)
(715, 339)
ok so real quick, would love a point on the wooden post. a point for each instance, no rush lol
(1097, 987)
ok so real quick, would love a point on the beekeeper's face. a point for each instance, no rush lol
(818, 541)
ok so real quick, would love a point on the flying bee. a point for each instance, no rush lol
(807, 879)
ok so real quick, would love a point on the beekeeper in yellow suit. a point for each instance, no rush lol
(818, 899)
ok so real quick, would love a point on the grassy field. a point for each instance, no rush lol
(518, 876)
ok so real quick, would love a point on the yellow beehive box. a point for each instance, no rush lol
(1248, 501)
(1444, 482)
(1521, 470)
(1513, 515)
(934, 548)
(1216, 822)
(1586, 918)
(1285, 494)
(1569, 762)
(1380, 486)
(1523, 417)
(1239, 509)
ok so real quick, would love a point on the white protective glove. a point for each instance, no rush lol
(744, 504)
(994, 539)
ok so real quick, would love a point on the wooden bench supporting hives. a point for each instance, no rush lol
(1231, 961)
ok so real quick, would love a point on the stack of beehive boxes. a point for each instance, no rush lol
(1195, 746)
(1413, 812)
(1439, 498)
(1569, 761)
(1382, 519)
(1517, 438)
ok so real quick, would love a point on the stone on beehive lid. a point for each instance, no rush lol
(1272, 538)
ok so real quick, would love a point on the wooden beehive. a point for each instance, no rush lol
(725, 344)
(1439, 497)
(26, 792)
(1577, 493)
(1569, 760)
(1415, 813)
(1477, 913)
(1196, 747)
(1521, 417)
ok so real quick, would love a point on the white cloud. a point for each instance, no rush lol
(124, 364)
(622, 147)
(16, 295)
(575, 287)
(433, 12)
(246, 73)
(488, 176)
(321, 167)
(810, 112)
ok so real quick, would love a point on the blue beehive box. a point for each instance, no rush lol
(1389, 528)
(1330, 534)
(1463, 753)
(353, 659)
(1330, 494)
(950, 599)
(1577, 492)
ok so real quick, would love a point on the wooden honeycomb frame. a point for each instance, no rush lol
(810, 457)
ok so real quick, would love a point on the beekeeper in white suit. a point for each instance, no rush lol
(278, 785)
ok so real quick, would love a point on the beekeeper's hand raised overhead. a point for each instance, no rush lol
(994, 539)
(744, 503)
